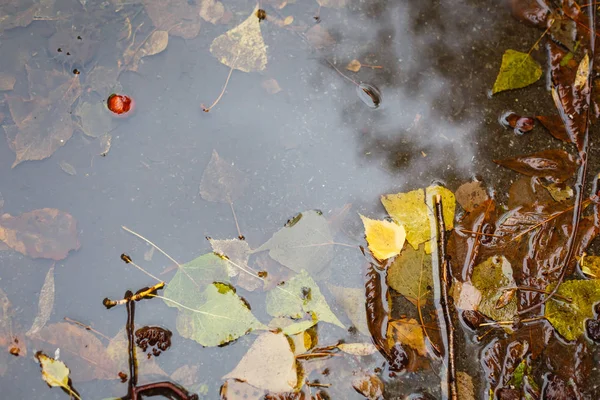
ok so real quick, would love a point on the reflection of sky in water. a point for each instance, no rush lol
(313, 145)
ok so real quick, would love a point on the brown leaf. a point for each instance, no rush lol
(471, 195)
(554, 165)
(319, 37)
(505, 298)
(42, 124)
(464, 383)
(520, 125)
(178, 17)
(555, 126)
(116, 351)
(43, 233)
(155, 43)
(10, 342)
(369, 385)
(83, 351)
(221, 181)
(354, 66)
(408, 332)
(531, 11)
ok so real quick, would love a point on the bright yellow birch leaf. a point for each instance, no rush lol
(385, 238)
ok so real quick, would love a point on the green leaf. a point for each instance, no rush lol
(221, 317)
(56, 374)
(298, 296)
(569, 318)
(411, 275)
(489, 278)
(193, 277)
(517, 70)
(304, 243)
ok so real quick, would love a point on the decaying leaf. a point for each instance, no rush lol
(42, 123)
(178, 17)
(304, 243)
(43, 233)
(466, 296)
(464, 384)
(559, 192)
(211, 11)
(95, 118)
(471, 195)
(299, 296)
(269, 364)
(358, 349)
(242, 47)
(352, 301)
(369, 385)
(333, 3)
(221, 316)
(590, 265)
(408, 332)
(410, 274)
(233, 389)
(271, 86)
(118, 352)
(319, 37)
(490, 277)
(517, 70)
(236, 250)
(155, 43)
(67, 168)
(385, 238)
(411, 211)
(105, 142)
(221, 181)
(556, 127)
(568, 318)
(583, 71)
(354, 66)
(45, 303)
(56, 374)
(555, 165)
(7, 82)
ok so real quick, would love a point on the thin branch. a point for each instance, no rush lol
(151, 244)
(87, 328)
(128, 260)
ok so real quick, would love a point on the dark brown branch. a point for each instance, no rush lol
(444, 283)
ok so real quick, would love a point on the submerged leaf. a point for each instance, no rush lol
(517, 70)
(236, 250)
(299, 296)
(408, 332)
(45, 303)
(490, 277)
(269, 364)
(95, 118)
(221, 181)
(471, 195)
(221, 317)
(155, 43)
(411, 275)
(385, 238)
(44, 233)
(304, 243)
(352, 301)
(178, 17)
(555, 165)
(369, 385)
(242, 47)
(569, 318)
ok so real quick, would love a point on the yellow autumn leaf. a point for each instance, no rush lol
(590, 265)
(581, 78)
(242, 47)
(411, 210)
(385, 238)
(408, 332)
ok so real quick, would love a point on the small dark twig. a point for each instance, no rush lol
(444, 277)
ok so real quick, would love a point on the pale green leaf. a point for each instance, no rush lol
(410, 274)
(298, 296)
(517, 70)
(55, 373)
(352, 301)
(490, 277)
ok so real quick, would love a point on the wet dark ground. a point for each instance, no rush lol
(314, 145)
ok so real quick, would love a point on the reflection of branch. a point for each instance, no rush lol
(444, 276)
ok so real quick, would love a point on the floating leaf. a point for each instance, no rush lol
(298, 296)
(221, 181)
(236, 250)
(555, 165)
(410, 274)
(354, 66)
(42, 123)
(56, 374)
(211, 11)
(590, 265)
(178, 17)
(333, 3)
(319, 37)
(271, 86)
(517, 70)
(471, 195)
(408, 332)
(67, 168)
(352, 302)
(45, 303)
(7, 82)
(466, 296)
(95, 118)
(358, 349)
(105, 143)
(221, 317)
(369, 385)
(569, 318)
(155, 43)
(269, 364)
(44, 233)
(304, 243)
(490, 277)
(410, 210)
(385, 238)
(242, 47)
(118, 352)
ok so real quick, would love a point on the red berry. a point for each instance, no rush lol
(120, 104)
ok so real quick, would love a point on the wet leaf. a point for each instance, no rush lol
(56, 374)
(42, 123)
(408, 332)
(569, 318)
(471, 195)
(297, 297)
(10, 340)
(369, 385)
(358, 349)
(555, 165)
(517, 70)
(559, 192)
(352, 301)
(319, 37)
(411, 275)
(490, 277)
(95, 118)
(271, 86)
(385, 238)
(45, 303)
(466, 296)
(221, 317)
(590, 265)
(354, 66)
(236, 390)
(305, 243)
(67, 168)
(43, 233)
(581, 76)
(104, 81)
(333, 3)
(505, 298)
(80, 349)
(530, 11)
(410, 210)
(155, 43)
(118, 352)
(211, 11)
(105, 141)
(236, 250)
(221, 181)
(269, 364)
(464, 384)
(242, 47)
(178, 17)
(7, 82)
